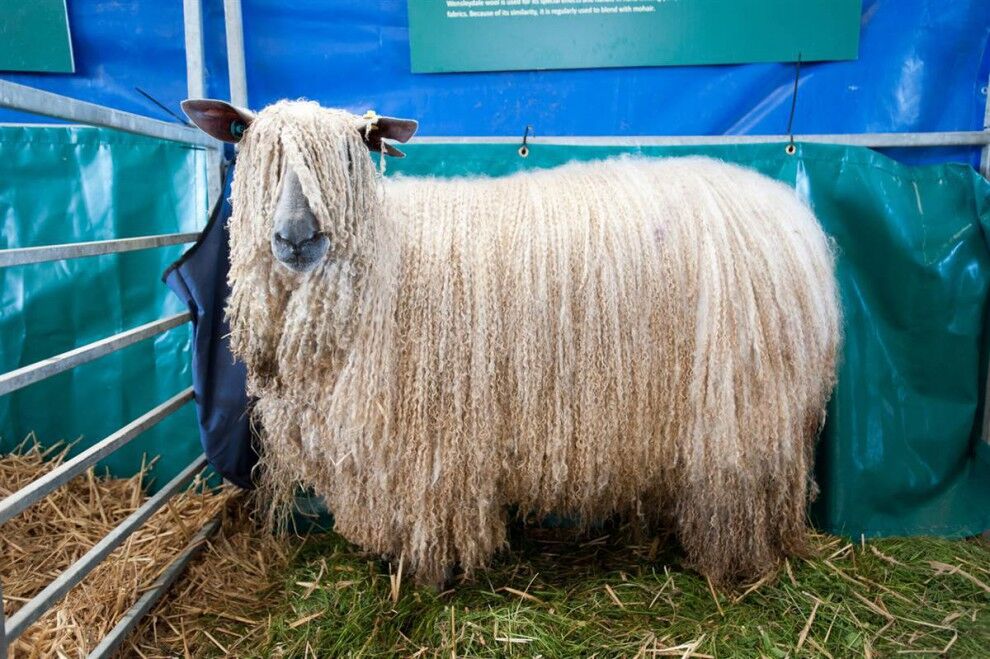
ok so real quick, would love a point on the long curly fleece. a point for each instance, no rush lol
(649, 337)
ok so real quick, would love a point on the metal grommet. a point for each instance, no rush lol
(790, 149)
(524, 148)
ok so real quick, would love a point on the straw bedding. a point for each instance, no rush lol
(650, 338)
(225, 586)
(37, 545)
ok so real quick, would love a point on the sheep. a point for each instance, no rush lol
(644, 337)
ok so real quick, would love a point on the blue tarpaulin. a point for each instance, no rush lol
(923, 66)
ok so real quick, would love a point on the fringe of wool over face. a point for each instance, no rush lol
(654, 338)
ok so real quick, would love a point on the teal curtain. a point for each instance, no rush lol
(69, 184)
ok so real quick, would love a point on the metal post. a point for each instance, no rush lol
(193, 15)
(196, 88)
(214, 178)
(985, 153)
(235, 53)
(3, 628)
(985, 170)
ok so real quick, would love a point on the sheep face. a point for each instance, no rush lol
(304, 136)
(296, 240)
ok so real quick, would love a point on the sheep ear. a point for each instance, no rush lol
(218, 119)
(400, 130)
(389, 128)
(392, 151)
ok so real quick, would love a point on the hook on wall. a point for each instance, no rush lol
(524, 148)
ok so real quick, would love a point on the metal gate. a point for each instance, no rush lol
(27, 99)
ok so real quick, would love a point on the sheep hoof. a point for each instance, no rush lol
(516, 534)
(447, 581)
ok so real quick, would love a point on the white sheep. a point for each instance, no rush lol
(654, 338)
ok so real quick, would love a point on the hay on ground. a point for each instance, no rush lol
(559, 592)
(37, 545)
(565, 593)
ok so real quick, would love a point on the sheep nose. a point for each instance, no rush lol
(296, 243)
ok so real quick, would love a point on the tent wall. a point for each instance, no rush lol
(923, 66)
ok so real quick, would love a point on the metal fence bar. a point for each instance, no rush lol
(36, 101)
(113, 640)
(3, 628)
(42, 486)
(46, 368)
(985, 170)
(985, 153)
(192, 13)
(236, 69)
(873, 140)
(75, 573)
(26, 255)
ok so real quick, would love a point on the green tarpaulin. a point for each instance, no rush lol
(901, 452)
(69, 184)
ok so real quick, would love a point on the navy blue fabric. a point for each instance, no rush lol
(199, 277)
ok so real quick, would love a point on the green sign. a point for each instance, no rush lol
(507, 35)
(34, 36)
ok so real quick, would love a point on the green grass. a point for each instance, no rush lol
(561, 595)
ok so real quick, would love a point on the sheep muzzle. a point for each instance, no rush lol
(297, 242)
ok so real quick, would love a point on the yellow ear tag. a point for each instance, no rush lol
(372, 118)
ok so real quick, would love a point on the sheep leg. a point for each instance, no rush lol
(736, 526)
(447, 583)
